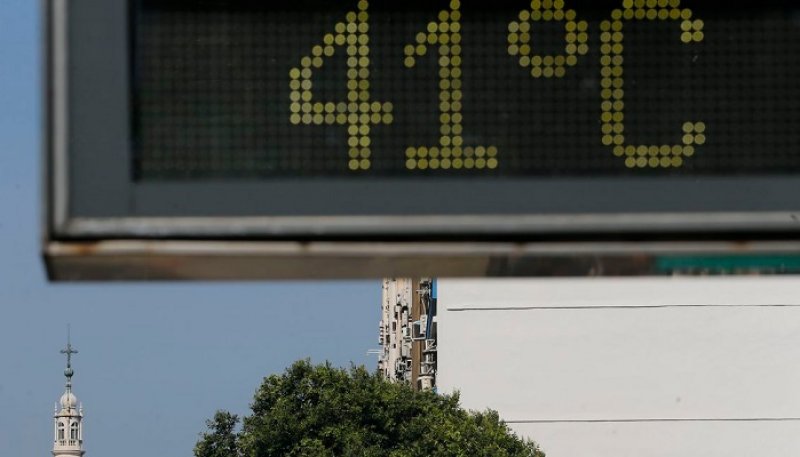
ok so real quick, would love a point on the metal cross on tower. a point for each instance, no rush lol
(69, 350)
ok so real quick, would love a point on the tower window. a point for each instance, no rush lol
(73, 431)
(61, 431)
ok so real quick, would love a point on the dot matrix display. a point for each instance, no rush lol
(353, 89)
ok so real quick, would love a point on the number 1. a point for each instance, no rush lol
(451, 152)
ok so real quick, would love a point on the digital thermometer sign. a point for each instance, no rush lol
(245, 88)
(252, 139)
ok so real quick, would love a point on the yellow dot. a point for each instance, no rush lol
(677, 161)
(353, 165)
(354, 153)
(446, 163)
(422, 164)
(630, 162)
(434, 163)
(700, 139)
(365, 164)
(492, 163)
(411, 164)
(698, 24)
(688, 151)
(469, 163)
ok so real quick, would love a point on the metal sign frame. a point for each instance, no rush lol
(754, 232)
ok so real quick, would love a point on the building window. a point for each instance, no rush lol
(73, 431)
(61, 431)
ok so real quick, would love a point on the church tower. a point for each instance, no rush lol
(68, 428)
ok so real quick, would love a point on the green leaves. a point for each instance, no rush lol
(322, 411)
(220, 440)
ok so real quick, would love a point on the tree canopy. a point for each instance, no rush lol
(323, 411)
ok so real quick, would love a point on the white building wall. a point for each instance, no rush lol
(706, 367)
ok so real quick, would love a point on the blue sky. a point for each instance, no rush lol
(155, 360)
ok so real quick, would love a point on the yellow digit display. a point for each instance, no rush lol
(358, 113)
(423, 90)
(445, 34)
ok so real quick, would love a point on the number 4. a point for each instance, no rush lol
(358, 113)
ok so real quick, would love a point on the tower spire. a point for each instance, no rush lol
(68, 440)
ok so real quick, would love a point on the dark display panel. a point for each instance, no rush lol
(230, 89)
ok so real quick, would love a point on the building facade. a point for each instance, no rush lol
(606, 367)
(408, 332)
